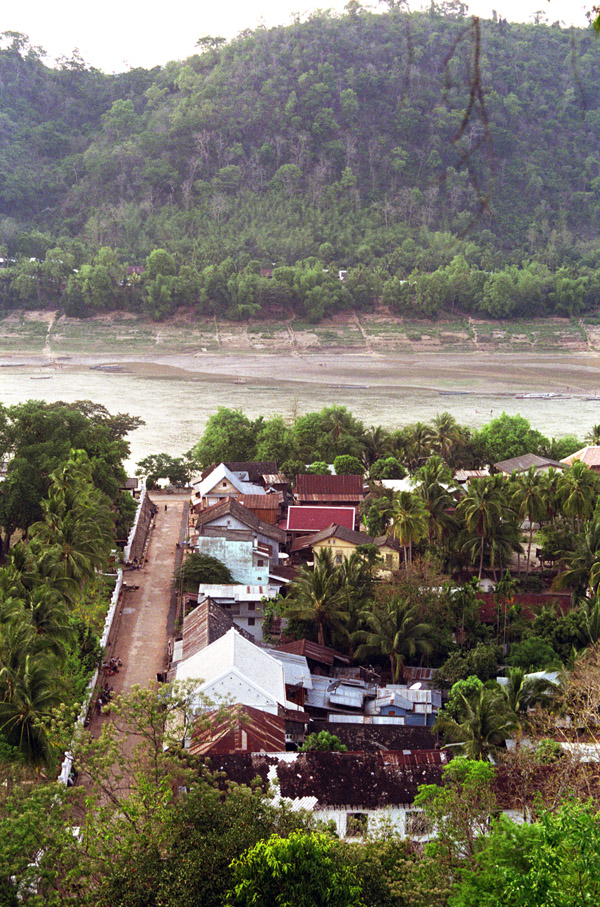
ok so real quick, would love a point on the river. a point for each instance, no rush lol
(175, 403)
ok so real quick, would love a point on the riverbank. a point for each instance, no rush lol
(368, 351)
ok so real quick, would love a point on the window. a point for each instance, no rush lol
(338, 558)
(251, 621)
(224, 484)
(251, 606)
(417, 825)
(260, 563)
(389, 560)
(356, 825)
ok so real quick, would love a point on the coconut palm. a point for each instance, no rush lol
(409, 521)
(593, 436)
(480, 512)
(434, 487)
(377, 444)
(578, 492)
(419, 440)
(528, 497)
(581, 568)
(523, 691)
(393, 630)
(484, 721)
(23, 709)
(447, 435)
(315, 595)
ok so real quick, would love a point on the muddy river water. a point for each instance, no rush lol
(175, 395)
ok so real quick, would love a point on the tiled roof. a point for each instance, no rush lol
(344, 534)
(241, 513)
(525, 462)
(388, 541)
(313, 519)
(589, 455)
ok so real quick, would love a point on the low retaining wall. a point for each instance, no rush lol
(136, 541)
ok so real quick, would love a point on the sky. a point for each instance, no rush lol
(116, 35)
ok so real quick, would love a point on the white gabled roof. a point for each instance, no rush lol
(218, 474)
(233, 655)
(295, 668)
(236, 592)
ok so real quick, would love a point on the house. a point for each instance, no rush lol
(405, 705)
(389, 550)
(253, 470)
(320, 659)
(340, 541)
(219, 484)
(243, 603)
(297, 674)
(328, 490)
(525, 462)
(589, 455)
(230, 514)
(308, 520)
(267, 507)
(247, 559)
(238, 729)
(234, 670)
(361, 793)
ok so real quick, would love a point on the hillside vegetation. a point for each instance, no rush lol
(446, 165)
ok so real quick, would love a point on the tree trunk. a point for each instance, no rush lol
(529, 548)
(321, 635)
(481, 559)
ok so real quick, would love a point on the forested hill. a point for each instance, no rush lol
(440, 175)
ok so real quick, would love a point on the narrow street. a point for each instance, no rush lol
(145, 620)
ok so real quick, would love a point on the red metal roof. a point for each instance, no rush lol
(313, 519)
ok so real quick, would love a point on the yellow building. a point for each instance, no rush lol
(340, 541)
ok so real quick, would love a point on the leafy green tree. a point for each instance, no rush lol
(511, 436)
(533, 654)
(323, 742)
(348, 466)
(201, 568)
(529, 500)
(177, 470)
(387, 468)
(303, 869)
(228, 436)
(552, 862)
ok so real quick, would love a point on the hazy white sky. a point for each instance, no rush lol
(117, 34)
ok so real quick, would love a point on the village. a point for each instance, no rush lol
(350, 739)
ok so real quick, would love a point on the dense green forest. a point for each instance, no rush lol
(443, 163)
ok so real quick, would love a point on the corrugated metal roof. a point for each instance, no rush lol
(313, 519)
(241, 513)
(317, 484)
(248, 729)
(261, 501)
(315, 652)
(345, 535)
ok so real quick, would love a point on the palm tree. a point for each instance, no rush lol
(393, 630)
(582, 566)
(529, 500)
(31, 700)
(315, 595)
(447, 435)
(578, 492)
(481, 511)
(523, 691)
(377, 444)
(409, 522)
(593, 436)
(434, 481)
(419, 443)
(484, 722)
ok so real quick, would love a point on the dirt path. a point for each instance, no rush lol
(147, 608)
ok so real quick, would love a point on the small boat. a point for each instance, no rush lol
(547, 396)
(454, 393)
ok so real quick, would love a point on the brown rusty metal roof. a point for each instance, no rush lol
(205, 624)
(335, 779)
(261, 501)
(239, 728)
(314, 651)
(318, 486)
(241, 513)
